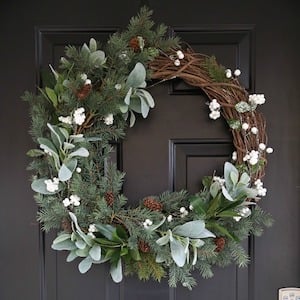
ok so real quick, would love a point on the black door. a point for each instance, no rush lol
(172, 149)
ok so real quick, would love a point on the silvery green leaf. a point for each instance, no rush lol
(144, 108)
(245, 179)
(226, 194)
(163, 240)
(67, 83)
(64, 132)
(72, 255)
(132, 119)
(93, 45)
(123, 108)
(116, 272)
(56, 135)
(206, 234)
(159, 258)
(39, 186)
(83, 152)
(54, 72)
(65, 245)
(137, 76)
(66, 170)
(80, 244)
(147, 96)
(197, 243)
(97, 58)
(214, 189)
(228, 168)
(242, 107)
(95, 252)
(82, 252)
(234, 176)
(251, 193)
(62, 237)
(85, 265)
(128, 96)
(107, 230)
(68, 146)
(93, 139)
(77, 138)
(74, 220)
(85, 49)
(190, 229)
(178, 252)
(234, 124)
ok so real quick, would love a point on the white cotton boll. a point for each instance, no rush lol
(177, 62)
(215, 114)
(88, 82)
(254, 130)
(66, 202)
(66, 120)
(92, 228)
(180, 54)
(182, 209)
(83, 77)
(109, 119)
(253, 161)
(118, 86)
(237, 72)
(234, 155)
(228, 73)
(269, 150)
(245, 126)
(169, 218)
(214, 105)
(262, 146)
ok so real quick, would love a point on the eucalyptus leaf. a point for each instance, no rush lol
(93, 45)
(80, 244)
(95, 252)
(128, 96)
(144, 108)
(83, 152)
(132, 119)
(62, 237)
(85, 265)
(178, 252)
(192, 229)
(67, 169)
(137, 76)
(72, 255)
(116, 272)
(64, 245)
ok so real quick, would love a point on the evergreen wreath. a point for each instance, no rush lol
(87, 105)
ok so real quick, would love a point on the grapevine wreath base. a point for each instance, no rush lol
(89, 102)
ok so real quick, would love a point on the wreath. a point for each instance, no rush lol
(89, 101)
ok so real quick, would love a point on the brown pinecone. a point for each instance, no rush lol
(134, 44)
(144, 247)
(220, 243)
(109, 198)
(152, 204)
(66, 225)
(84, 91)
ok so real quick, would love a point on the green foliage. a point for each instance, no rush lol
(216, 71)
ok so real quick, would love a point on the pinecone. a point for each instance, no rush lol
(66, 225)
(137, 43)
(109, 198)
(144, 247)
(152, 204)
(84, 91)
(220, 243)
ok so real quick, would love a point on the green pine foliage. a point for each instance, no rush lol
(216, 71)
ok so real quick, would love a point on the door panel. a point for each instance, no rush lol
(167, 151)
(172, 150)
